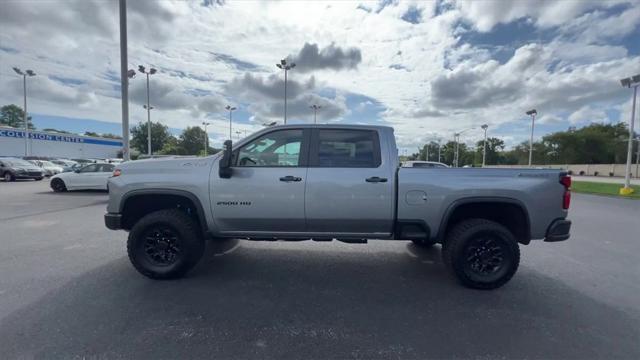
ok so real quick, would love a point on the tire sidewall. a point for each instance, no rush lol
(457, 253)
(190, 243)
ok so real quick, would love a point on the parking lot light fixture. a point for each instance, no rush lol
(315, 112)
(630, 82)
(24, 75)
(206, 137)
(484, 144)
(230, 109)
(151, 71)
(533, 114)
(283, 65)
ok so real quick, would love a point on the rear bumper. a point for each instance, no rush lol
(113, 221)
(559, 230)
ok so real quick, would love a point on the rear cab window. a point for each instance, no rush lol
(346, 148)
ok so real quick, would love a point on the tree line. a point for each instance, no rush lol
(597, 143)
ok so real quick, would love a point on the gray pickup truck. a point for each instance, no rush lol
(333, 182)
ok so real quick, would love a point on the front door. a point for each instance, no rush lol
(265, 193)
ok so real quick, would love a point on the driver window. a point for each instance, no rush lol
(278, 148)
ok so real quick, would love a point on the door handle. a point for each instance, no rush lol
(290, 178)
(375, 179)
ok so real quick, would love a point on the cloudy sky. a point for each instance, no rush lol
(427, 68)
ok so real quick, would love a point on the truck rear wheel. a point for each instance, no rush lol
(482, 254)
(165, 244)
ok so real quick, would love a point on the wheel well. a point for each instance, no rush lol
(137, 206)
(510, 215)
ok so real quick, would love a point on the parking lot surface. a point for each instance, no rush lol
(67, 290)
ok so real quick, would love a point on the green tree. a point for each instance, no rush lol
(13, 115)
(495, 147)
(91, 133)
(159, 136)
(192, 140)
(111, 136)
(56, 130)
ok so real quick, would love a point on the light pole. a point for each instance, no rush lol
(533, 114)
(24, 113)
(206, 137)
(238, 132)
(286, 67)
(230, 109)
(484, 144)
(151, 71)
(315, 112)
(630, 82)
(125, 75)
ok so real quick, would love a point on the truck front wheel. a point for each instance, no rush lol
(165, 244)
(482, 254)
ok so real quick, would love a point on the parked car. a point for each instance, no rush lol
(67, 165)
(14, 168)
(324, 182)
(424, 164)
(89, 177)
(49, 168)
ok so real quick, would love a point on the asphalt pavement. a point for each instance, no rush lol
(67, 290)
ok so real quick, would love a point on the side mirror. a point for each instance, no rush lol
(77, 171)
(225, 161)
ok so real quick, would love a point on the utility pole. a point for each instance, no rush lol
(484, 144)
(230, 109)
(533, 114)
(25, 118)
(439, 148)
(124, 80)
(206, 137)
(286, 67)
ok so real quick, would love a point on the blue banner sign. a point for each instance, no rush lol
(58, 137)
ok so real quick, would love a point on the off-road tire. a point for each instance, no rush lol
(461, 247)
(188, 239)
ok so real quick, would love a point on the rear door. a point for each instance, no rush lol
(350, 185)
(265, 193)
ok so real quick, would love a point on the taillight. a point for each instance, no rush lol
(566, 197)
(116, 172)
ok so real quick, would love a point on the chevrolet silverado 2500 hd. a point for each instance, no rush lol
(326, 182)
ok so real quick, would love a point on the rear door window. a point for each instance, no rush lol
(346, 148)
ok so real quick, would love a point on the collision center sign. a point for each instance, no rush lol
(57, 137)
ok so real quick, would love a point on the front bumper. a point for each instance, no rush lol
(559, 230)
(113, 221)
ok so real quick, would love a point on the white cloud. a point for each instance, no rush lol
(420, 74)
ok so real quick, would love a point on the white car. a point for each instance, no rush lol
(90, 177)
(49, 168)
(424, 164)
